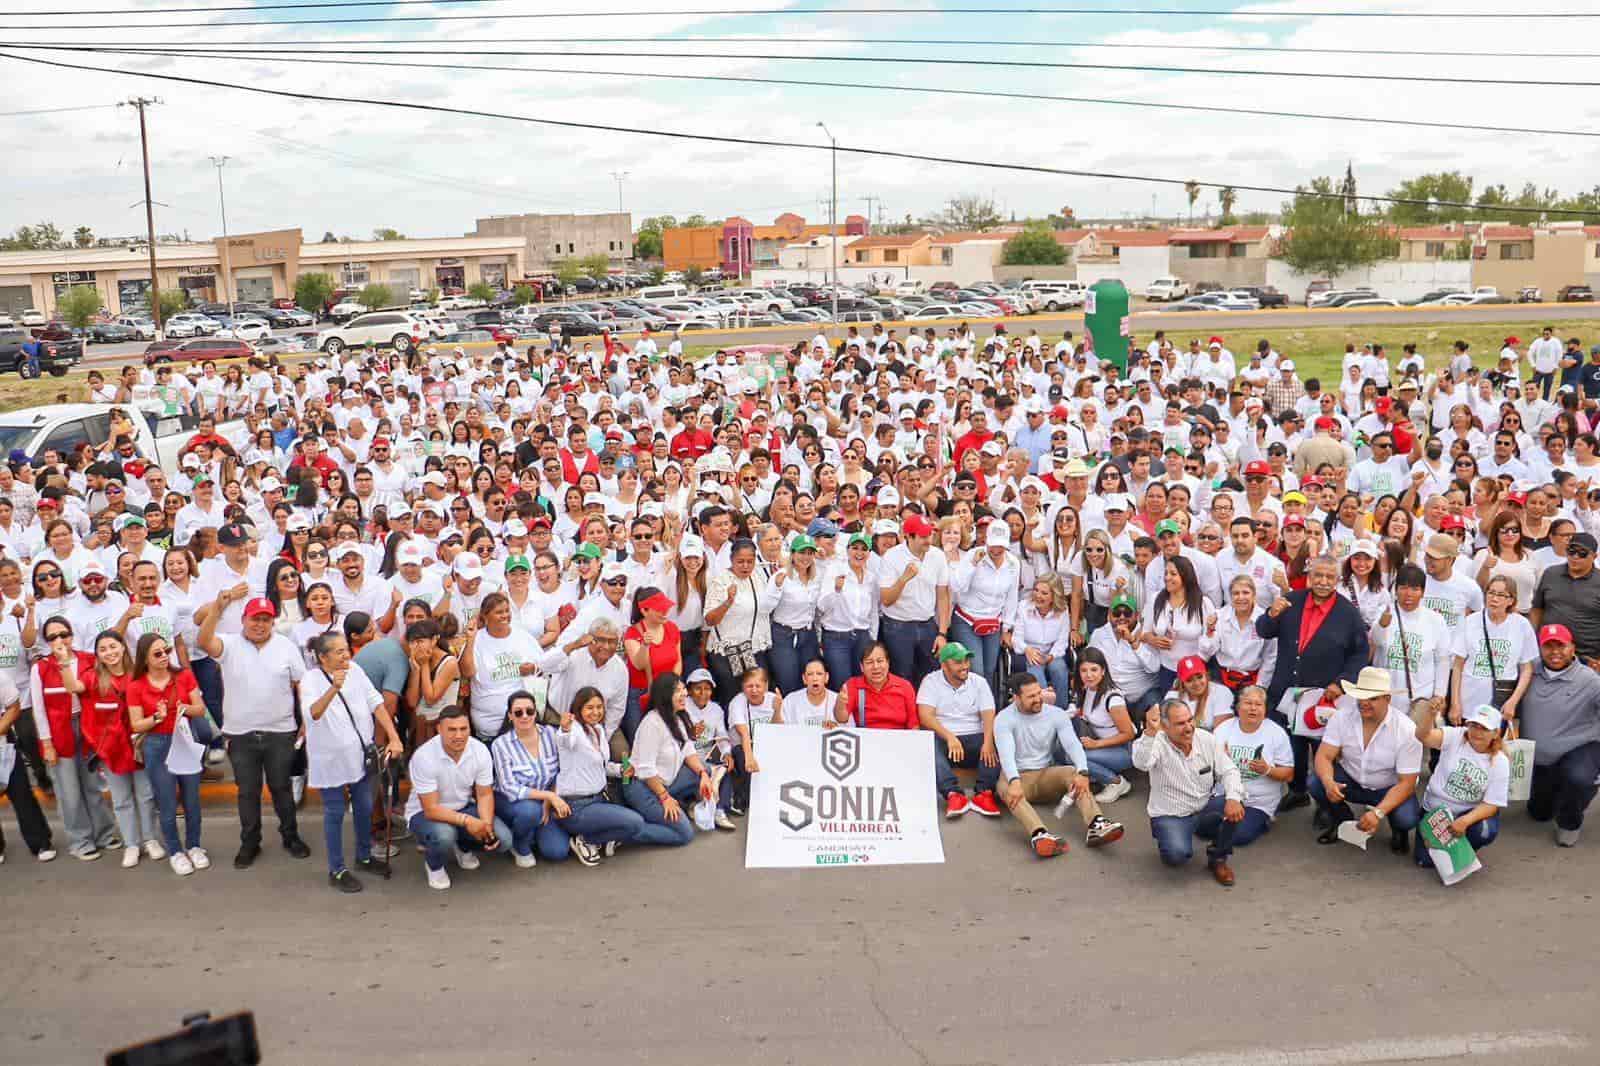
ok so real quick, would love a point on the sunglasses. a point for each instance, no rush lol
(523, 712)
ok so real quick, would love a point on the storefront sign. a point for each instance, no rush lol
(842, 797)
(73, 277)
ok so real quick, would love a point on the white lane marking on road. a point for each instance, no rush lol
(1366, 1052)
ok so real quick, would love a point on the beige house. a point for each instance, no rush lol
(898, 250)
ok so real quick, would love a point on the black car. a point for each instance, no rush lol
(1266, 295)
(1571, 294)
(110, 333)
(572, 323)
(489, 317)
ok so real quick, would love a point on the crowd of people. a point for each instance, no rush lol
(542, 603)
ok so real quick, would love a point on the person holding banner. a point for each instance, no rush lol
(1370, 754)
(958, 708)
(1471, 778)
(1027, 734)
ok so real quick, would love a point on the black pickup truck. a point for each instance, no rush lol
(56, 357)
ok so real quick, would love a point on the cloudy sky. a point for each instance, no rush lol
(349, 168)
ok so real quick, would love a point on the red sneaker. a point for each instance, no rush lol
(955, 804)
(1047, 845)
(985, 805)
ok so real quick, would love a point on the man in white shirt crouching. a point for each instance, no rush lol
(451, 809)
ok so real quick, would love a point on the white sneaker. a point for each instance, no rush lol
(215, 756)
(154, 850)
(1567, 838)
(47, 855)
(1114, 791)
(467, 860)
(130, 858)
(181, 864)
(723, 821)
(383, 851)
(201, 860)
(525, 862)
(438, 879)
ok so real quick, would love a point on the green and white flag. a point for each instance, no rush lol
(1452, 856)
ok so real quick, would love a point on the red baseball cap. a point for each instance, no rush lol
(1293, 520)
(1555, 634)
(1451, 521)
(1324, 422)
(260, 605)
(1518, 498)
(1513, 340)
(917, 526)
(1257, 468)
(1190, 666)
(1382, 404)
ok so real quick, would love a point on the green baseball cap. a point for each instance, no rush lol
(518, 562)
(587, 550)
(1168, 525)
(861, 539)
(1123, 600)
(954, 650)
(802, 543)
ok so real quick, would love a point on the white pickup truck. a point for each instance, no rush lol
(63, 426)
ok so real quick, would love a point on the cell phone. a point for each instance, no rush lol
(1259, 749)
(227, 1041)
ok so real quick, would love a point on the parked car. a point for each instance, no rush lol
(286, 317)
(386, 329)
(32, 317)
(280, 345)
(932, 311)
(1194, 303)
(143, 328)
(1057, 295)
(245, 329)
(202, 348)
(63, 427)
(345, 310)
(1332, 297)
(1265, 295)
(1316, 288)
(190, 324)
(1371, 301)
(55, 357)
(1529, 294)
(1479, 298)
(1433, 296)
(110, 333)
(1168, 288)
(1571, 294)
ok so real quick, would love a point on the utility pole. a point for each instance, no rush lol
(870, 201)
(620, 176)
(220, 161)
(833, 228)
(141, 102)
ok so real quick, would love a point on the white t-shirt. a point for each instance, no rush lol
(919, 598)
(1465, 778)
(1453, 599)
(741, 713)
(257, 692)
(454, 782)
(1269, 738)
(334, 742)
(799, 710)
(1512, 643)
(215, 577)
(89, 620)
(959, 710)
(498, 673)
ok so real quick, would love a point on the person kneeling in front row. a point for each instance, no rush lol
(1185, 765)
(451, 809)
(1026, 733)
(1369, 754)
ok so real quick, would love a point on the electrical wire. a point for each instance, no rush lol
(757, 142)
(829, 12)
(58, 110)
(918, 60)
(915, 89)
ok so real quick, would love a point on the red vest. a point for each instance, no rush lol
(59, 703)
(569, 465)
(105, 723)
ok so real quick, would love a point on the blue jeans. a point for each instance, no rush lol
(944, 774)
(333, 808)
(1175, 837)
(985, 650)
(791, 650)
(1564, 789)
(1479, 834)
(656, 828)
(910, 647)
(1402, 818)
(1140, 702)
(632, 714)
(208, 675)
(1055, 674)
(439, 839)
(1165, 679)
(599, 822)
(169, 789)
(1245, 832)
(841, 653)
(1108, 764)
(528, 828)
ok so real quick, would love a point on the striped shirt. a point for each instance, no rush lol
(516, 771)
(1180, 785)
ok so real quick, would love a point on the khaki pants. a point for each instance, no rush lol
(1048, 786)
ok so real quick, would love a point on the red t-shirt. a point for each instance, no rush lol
(145, 696)
(892, 707)
(663, 656)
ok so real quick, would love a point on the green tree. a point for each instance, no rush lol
(176, 302)
(482, 290)
(83, 237)
(971, 212)
(1191, 189)
(375, 296)
(328, 237)
(79, 305)
(522, 295)
(1326, 237)
(567, 271)
(1227, 196)
(647, 242)
(433, 296)
(695, 220)
(655, 274)
(1036, 245)
(693, 275)
(42, 237)
(596, 266)
(312, 291)
(1436, 193)
(386, 234)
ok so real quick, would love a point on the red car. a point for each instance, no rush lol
(198, 350)
(509, 334)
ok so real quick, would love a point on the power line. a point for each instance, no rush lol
(743, 13)
(756, 142)
(791, 58)
(921, 89)
(58, 110)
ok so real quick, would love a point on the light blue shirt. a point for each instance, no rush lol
(1026, 741)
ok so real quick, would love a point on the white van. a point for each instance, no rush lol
(1056, 295)
(662, 292)
(910, 287)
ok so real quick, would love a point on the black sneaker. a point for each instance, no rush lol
(373, 866)
(1400, 841)
(344, 881)
(297, 847)
(247, 855)
(1294, 801)
(585, 852)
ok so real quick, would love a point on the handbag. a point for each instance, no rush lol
(742, 656)
(1500, 691)
(983, 627)
(371, 760)
(1519, 750)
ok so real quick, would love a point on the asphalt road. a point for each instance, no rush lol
(1145, 321)
(1317, 955)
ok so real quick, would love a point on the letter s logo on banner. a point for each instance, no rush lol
(841, 754)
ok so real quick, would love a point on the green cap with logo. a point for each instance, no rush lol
(1122, 599)
(518, 562)
(1168, 525)
(802, 543)
(861, 539)
(587, 550)
(954, 650)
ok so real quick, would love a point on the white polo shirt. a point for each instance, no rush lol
(454, 782)
(1394, 749)
(959, 710)
(258, 684)
(919, 598)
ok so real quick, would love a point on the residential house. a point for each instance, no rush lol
(1229, 257)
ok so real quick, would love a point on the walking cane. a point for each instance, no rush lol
(388, 818)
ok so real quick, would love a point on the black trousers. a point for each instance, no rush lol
(30, 819)
(263, 755)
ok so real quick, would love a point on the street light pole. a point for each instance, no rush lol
(833, 227)
(220, 161)
(621, 176)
